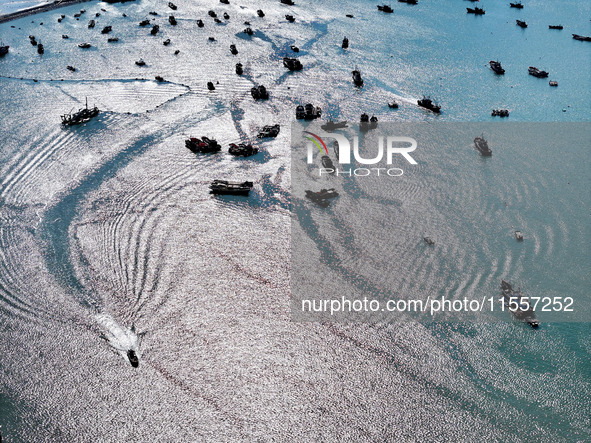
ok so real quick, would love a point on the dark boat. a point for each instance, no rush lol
(294, 48)
(4, 50)
(242, 149)
(217, 20)
(518, 235)
(518, 5)
(172, 20)
(293, 64)
(332, 126)
(248, 31)
(259, 92)
(429, 241)
(496, 66)
(308, 112)
(357, 80)
(91, 24)
(500, 113)
(409, 2)
(519, 305)
(385, 8)
(581, 38)
(532, 70)
(140, 62)
(84, 45)
(327, 163)
(145, 22)
(212, 14)
(239, 69)
(555, 27)
(260, 13)
(521, 23)
(553, 83)
(211, 39)
(154, 13)
(166, 42)
(226, 16)
(393, 105)
(210, 86)
(476, 11)
(290, 18)
(32, 40)
(230, 188)
(321, 198)
(287, 2)
(106, 29)
(159, 78)
(132, 356)
(203, 145)
(113, 39)
(71, 68)
(155, 29)
(225, 2)
(427, 103)
(200, 23)
(233, 49)
(481, 144)
(269, 131)
(65, 36)
(345, 43)
(40, 49)
(82, 116)
(172, 6)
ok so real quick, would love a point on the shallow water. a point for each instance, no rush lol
(110, 239)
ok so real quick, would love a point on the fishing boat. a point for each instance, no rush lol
(345, 43)
(242, 149)
(518, 305)
(203, 145)
(84, 45)
(322, 197)
(132, 356)
(496, 67)
(532, 70)
(500, 113)
(517, 5)
(82, 116)
(393, 105)
(357, 80)
(332, 126)
(429, 241)
(482, 146)
(555, 27)
(476, 11)
(259, 92)
(293, 64)
(521, 23)
(290, 18)
(172, 20)
(385, 8)
(518, 235)
(269, 131)
(172, 6)
(239, 69)
(106, 29)
(581, 38)
(553, 83)
(230, 188)
(427, 103)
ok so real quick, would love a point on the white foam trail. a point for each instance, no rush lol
(119, 338)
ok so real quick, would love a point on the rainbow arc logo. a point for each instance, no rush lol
(315, 140)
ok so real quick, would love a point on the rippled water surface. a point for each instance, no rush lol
(110, 241)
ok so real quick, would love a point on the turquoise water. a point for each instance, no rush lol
(109, 239)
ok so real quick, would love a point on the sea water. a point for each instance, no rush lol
(110, 239)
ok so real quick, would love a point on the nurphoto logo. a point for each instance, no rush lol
(389, 145)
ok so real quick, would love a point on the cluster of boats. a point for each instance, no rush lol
(308, 112)
(322, 198)
(293, 64)
(366, 123)
(203, 145)
(259, 92)
(82, 116)
(500, 113)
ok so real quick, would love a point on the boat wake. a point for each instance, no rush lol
(120, 338)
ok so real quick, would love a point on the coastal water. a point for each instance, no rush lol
(109, 239)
